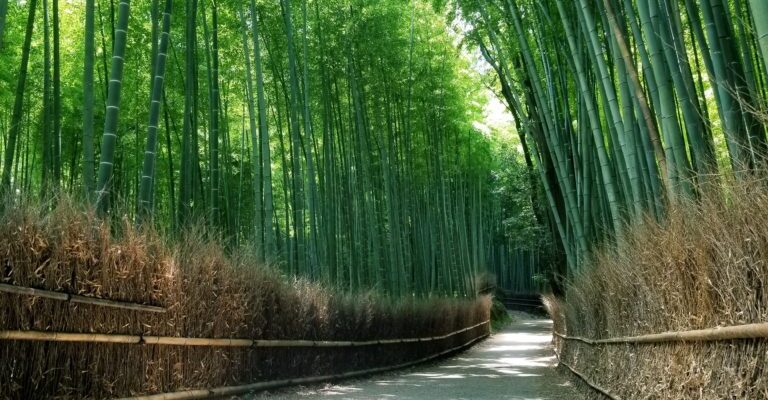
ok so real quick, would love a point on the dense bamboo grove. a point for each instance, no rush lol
(627, 105)
(338, 138)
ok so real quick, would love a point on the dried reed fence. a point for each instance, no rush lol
(205, 293)
(705, 266)
(741, 332)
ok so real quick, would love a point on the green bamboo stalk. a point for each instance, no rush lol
(266, 156)
(215, 98)
(89, 163)
(594, 121)
(641, 101)
(3, 17)
(18, 109)
(190, 110)
(146, 188)
(109, 138)
(693, 116)
(56, 96)
(297, 191)
(718, 35)
(252, 128)
(548, 132)
(760, 18)
(626, 160)
(308, 136)
(677, 160)
(47, 132)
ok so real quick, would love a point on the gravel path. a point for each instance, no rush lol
(516, 364)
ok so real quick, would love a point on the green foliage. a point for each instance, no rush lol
(512, 183)
(500, 317)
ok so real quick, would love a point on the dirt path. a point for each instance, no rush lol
(516, 364)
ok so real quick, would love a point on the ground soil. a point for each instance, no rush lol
(517, 363)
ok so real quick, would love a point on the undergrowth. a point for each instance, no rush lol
(500, 317)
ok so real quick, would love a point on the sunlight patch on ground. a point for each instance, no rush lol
(539, 322)
(399, 382)
(523, 338)
(335, 390)
(514, 347)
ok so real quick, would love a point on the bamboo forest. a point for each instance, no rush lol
(217, 198)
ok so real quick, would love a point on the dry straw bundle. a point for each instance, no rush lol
(206, 293)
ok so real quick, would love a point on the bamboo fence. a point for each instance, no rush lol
(738, 332)
(75, 298)
(747, 331)
(72, 337)
(583, 377)
(210, 342)
(235, 390)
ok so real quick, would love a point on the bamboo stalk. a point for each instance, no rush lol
(235, 390)
(180, 341)
(69, 337)
(300, 343)
(123, 339)
(74, 298)
(748, 331)
(33, 292)
(187, 394)
(212, 342)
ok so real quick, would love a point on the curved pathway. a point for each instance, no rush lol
(515, 364)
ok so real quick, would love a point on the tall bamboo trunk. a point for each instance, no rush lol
(258, 212)
(89, 163)
(297, 190)
(109, 137)
(3, 17)
(18, 109)
(146, 190)
(266, 156)
(760, 18)
(56, 97)
(189, 135)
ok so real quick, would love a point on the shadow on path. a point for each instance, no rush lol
(516, 364)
